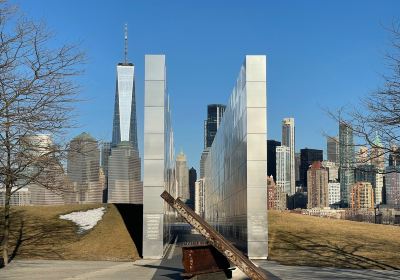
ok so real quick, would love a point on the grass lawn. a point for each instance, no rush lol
(296, 239)
(37, 232)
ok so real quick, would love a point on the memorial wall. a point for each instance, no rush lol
(235, 169)
(158, 159)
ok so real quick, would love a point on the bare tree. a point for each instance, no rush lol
(37, 94)
(376, 121)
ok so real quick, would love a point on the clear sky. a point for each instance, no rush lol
(321, 54)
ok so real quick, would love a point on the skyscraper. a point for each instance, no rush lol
(84, 170)
(307, 157)
(124, 124)
(271, 156)
(288, 140)
(124, 171)
(192, 182)
(392, 180)
(182, 177)
(332, 148)
(347, 159)
(215, 113)
(362, 196)
(283, 169)
(394, 156)
(317, 186)
(124, 185)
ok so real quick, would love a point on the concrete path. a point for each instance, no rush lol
(147, 269)
(169, 268)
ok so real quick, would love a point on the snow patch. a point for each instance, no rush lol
(85, 219)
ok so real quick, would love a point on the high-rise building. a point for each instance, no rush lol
(199, 198)
(283, 169)
(378, 154)
(317, 186)
(307, 157)
(215, 113)
(392, 183)
(362, 196)
(182, 177)
(83, 170)
(50, 174)
(297, 162)
(271, 156)
(276, 199)
(288, 140)
(334, 194)
(394, 156)
(124, 123)
(203, 161)
(124, 167)
(347, 159)
(333, 170)
(124, 185)
(192, 182)
(332, 147)
(372, 174)
(362, 156)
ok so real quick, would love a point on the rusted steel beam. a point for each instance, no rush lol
(215, 239)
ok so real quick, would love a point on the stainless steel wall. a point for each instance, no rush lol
(235, 169)
(158, 159)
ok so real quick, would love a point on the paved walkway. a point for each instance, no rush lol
(168, 268)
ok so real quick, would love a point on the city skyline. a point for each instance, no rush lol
(288, 78)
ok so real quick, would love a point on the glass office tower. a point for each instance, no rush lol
(236, 167)
(124, 124)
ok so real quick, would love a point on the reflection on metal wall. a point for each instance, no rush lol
(235, 169)
(159, 166)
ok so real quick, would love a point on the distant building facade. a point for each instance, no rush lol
(104, 156)
(271, 156)
(21, 197)
(192, 182)
(392, 180)
(334, 194)
(317, 186)
(288, 140)
(215, 112)
(182, 177)
(83, 170)
(307, 157)
(276, 199)
(347, 159)
(199, 198)
(332, 147)
(283, 169)
(362, 196)
(124, 182)
(370, 173)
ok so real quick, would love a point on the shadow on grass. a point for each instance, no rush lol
(317, 250)
(132, 214)
(34, 237)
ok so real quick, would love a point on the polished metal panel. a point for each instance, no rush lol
(235, 168)
(159, 165)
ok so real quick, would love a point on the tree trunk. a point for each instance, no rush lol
(6, 229)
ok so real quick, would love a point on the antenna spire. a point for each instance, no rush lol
(126, 43)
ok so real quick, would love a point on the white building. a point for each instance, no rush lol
(334, 193)
(283, 169)
(182, 177)
(288, 140)
(333, 170)
(20, 198)
(199, 201)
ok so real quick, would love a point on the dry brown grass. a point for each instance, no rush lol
(296, 239)
(38, 233)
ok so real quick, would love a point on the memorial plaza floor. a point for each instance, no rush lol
(168, 268)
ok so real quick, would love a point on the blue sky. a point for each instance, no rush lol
(321, 54)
